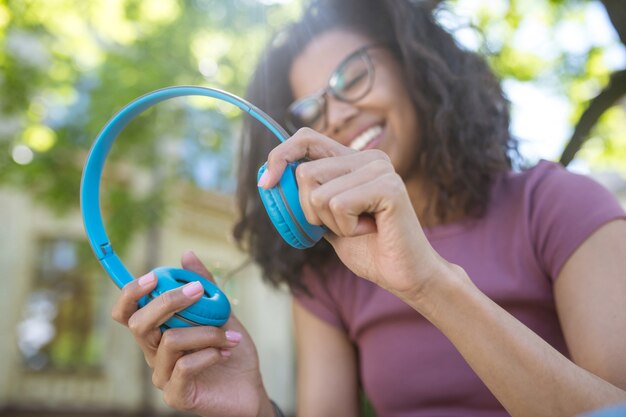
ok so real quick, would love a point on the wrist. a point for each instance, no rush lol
(438, 289)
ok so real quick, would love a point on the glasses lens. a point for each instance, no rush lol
(307, 112)
(353, 79)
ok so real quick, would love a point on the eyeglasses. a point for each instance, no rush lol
(350, 81)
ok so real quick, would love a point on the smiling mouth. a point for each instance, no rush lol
(361, 141)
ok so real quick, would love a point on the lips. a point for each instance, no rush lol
(366, 137)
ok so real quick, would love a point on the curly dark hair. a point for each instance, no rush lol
(463, 115)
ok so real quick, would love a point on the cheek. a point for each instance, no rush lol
(389, 99)
(400, 115)
(391, 94)
(404, 135)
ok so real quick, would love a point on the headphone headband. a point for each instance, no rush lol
(92, 173)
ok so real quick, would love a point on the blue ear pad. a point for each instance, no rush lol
(282, 204)
(213, 309)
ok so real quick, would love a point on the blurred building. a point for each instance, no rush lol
(64, 355)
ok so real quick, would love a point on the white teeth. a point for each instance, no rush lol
(364, 138)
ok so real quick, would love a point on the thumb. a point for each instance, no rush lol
(191, 262)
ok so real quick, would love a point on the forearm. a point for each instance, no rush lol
(525, 373)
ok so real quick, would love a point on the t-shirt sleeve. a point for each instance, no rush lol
(565, 209)
(320, 300)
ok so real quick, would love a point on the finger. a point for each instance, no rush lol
(311, 175)
(177, 342)
(327, 203)
(159, 310)
(379, 198)
(305, 144)
(185, 369)
(126, 304)
(323, 170)
(191, 262)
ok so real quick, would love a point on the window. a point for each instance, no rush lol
(60, 328)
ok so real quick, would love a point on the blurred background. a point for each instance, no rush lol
(66, 66)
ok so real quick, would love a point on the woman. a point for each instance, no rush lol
(460, 288)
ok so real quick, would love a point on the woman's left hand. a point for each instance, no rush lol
(364, 203)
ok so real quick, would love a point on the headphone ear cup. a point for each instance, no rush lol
(273, 205)
(212, 309)
(282, 204)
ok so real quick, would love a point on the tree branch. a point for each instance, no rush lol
(597, 106)
(616, 10)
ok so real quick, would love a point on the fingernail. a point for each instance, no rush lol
(147, 279)
(192, 289)
(263, 180)
(225, 353)
(233, 336)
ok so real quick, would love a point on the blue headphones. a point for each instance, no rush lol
(281, 203)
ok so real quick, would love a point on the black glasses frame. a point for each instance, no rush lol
(330, 89)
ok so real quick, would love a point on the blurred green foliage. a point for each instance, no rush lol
(560, 63)
(66, 66)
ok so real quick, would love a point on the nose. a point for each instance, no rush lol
(338, 114)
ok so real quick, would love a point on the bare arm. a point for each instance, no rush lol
(327, 369)
(525, 373)
(591, 301)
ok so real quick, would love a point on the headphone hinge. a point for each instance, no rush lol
(106, 250)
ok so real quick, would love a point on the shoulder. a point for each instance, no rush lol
(557, 208)
(544, 175)
(550, 188)
(551, 177)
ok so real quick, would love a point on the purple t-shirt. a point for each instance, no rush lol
(535, 220)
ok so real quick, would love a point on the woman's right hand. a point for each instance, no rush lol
(207, 370)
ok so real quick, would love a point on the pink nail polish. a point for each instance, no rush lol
(192, 289)
(263, 179)
(233, 336)
(225, 353)
(147, 279)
